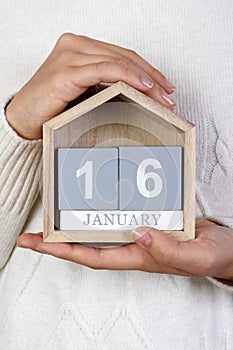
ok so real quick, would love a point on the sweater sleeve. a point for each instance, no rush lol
(20, 166)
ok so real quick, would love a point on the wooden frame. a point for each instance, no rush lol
(95, 123)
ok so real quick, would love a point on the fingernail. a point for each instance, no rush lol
(147, 82)
(142, 236)
(169, 85)
(169, 100)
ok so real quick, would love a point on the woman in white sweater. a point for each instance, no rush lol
(50, 303)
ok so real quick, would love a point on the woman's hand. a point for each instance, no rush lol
(209, 254)
(76, 63)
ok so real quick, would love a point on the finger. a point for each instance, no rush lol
(87, 45)
(125, 257)
(80, 59)
(156, 92)
(128, 257)
(98, 258)
(93, 74)
(29, 240)
(154, 73)
(190, 256)
(202, 222)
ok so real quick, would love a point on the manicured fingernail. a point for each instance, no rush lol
(169, 100)
(142, 236)
(147, 82)
(169, 85)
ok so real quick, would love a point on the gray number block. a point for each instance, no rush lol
(150, 178)
(86, 178)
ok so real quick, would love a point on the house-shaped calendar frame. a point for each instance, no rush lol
(95, 122)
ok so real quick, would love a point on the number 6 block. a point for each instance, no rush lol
(150, 178)
(87, 178)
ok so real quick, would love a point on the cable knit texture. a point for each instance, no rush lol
(50, 304)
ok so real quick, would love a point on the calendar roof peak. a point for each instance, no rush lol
(120, 92)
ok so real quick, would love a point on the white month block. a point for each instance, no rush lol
(151, 178)
(86, 178)
(118, 220)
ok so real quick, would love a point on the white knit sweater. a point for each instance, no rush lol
(47, 303)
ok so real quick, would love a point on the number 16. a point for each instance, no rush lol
(142, 177)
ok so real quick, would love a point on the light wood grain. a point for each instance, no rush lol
(117, 120)
(125, 93)
(132, 119)
(98, 236)
(48, 181)
(189, 182)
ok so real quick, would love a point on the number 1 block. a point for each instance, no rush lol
(86, 178)
(150, 178)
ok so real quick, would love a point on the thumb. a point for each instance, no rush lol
(163, 248)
